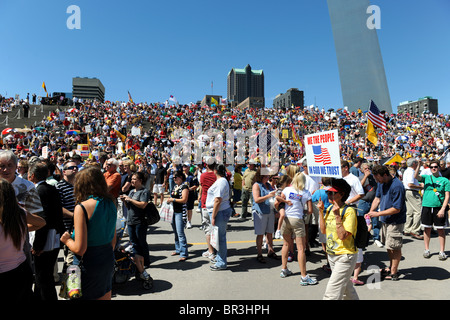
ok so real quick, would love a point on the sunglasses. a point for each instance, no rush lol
(71, 168)
(331, 193)
(434, 167)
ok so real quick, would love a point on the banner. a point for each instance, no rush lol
(83, 150)
(322, 154)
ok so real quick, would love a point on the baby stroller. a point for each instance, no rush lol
(124, 266)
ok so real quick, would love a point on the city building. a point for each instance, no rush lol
(208, 100)
(88, 88)
(361, 68)
(252, 102)
(425, 104)
(244, 83)
(292, 97)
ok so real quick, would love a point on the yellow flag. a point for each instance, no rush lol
(395, 158)
(45, 88)
(214, 101)
(121, 136)
(371, 133)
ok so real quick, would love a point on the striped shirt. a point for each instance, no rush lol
(66, 194)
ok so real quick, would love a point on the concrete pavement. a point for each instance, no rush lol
(247, 279)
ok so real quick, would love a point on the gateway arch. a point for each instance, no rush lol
(361, 68)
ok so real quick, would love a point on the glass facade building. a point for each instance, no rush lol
(361, 68)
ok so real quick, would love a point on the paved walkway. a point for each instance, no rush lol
(247, 279)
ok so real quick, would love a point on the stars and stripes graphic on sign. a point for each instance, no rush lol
(321, 155)
(375, 117)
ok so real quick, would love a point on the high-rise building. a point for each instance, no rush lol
(422, 105)
(292, 97)
(244, 83)
(88, 88)
(360, 63)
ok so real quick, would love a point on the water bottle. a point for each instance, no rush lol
(74, 282)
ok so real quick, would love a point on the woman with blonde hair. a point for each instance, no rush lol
(94, 235)
(294, 223)
(292, 170)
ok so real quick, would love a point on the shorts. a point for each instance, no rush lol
(293, 226)
(429, 218)
(158, 188)
(392, 235)
(314, 217)
(263, 223)
(206, 222)
(190, 202)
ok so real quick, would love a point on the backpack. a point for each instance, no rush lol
(361, 238)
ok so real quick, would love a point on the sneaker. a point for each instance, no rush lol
(144, 275)
(278, 234)
(205, 254)
(427, 254)
(442, 256)
(307, 281)
(188, 225)
(285, 273)
(215, 268)
(379, 244)
(198, 210)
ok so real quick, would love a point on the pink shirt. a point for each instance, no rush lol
(10, 257)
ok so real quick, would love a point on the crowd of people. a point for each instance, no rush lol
(69, 197)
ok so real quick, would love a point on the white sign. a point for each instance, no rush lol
(322, 154)
(135, 131)
(45, 152)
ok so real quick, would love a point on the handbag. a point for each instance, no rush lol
(151, 213)
(166, 212)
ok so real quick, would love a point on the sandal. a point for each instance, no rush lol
(273, 255)
(385, 272)
(260, 259)
(393, 277)
(174, 253)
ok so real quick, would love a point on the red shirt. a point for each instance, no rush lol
(206, 180)
(113, 180)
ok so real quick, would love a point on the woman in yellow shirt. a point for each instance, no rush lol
(339, 226)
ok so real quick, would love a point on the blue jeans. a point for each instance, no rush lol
(180, 237)
(363, 208)
(221, 221)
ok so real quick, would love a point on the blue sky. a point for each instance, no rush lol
(156, 49)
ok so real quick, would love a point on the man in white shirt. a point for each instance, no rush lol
(357, 191)
(413, 200)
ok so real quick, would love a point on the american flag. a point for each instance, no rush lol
(321, 155)
(375, 117)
